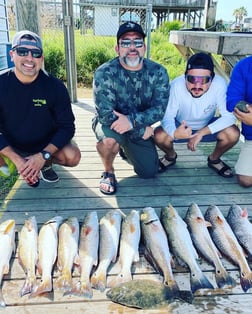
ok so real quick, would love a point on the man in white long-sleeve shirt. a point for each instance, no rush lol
(194, 100)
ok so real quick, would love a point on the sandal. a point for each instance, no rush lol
(165, 163)
(212, 164)
(109, 179)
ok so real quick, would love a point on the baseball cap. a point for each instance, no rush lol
(130, 27)
(25, 37)
(200, 60)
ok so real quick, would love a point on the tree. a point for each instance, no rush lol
(239, 14)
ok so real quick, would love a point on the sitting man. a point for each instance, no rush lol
(130, 94)
(36, 118)
(194, 99)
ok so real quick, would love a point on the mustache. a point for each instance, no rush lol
(196, 89)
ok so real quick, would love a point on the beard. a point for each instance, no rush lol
(133, 63)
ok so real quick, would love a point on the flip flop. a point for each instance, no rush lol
(212, 164)
(109, 179)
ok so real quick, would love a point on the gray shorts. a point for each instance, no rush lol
(142, 154)
(243, 165)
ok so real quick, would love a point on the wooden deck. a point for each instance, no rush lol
(190, 180)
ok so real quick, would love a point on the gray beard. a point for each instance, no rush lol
(132, 63)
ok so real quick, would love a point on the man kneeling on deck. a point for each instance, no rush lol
(194, 100)
(36, 118)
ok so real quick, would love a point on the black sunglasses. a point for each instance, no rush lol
(23, 52)
(126, 43)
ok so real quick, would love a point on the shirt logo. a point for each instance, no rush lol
(39, 102)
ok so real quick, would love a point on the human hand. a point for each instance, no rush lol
(245, 117)
(122, 124)
(149, 132)
(183, 131)
(30, 168)
(194, 141)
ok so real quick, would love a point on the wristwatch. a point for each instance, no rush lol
(46, 155)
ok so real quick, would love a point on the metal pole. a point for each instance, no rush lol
(148, 28)
(71, 71)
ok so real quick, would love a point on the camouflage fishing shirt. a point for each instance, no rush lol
(141, 95)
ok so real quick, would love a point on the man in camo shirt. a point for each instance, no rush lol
(130, 94)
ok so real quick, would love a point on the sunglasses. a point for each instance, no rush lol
(126, 43)
(198, 79)
(23, 52)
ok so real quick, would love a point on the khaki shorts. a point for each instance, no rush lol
(244, 164)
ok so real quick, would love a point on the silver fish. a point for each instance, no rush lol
(198, 228)
(227, 243)
(182, 246)
(28, 253)
(7, 245)
(67, 252)
(110, 228)
(238, 220)
(47, 247)
(88, 254)
(156, 245)
(129, 244)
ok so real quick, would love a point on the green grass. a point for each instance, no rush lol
(6, 184)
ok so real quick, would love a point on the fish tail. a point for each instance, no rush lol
(64, 282)
(99, 281)
(28, 286)
(246, 281)
(199, 282)
(224, 279)
(2, 302)
(82, 289)
(120, 278)
(44, 286)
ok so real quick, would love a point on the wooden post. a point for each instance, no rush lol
(71, 71)
(210, 13)
(27, 15)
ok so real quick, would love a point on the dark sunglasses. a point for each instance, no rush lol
(198, 79)
(126, 43)
(23, 52)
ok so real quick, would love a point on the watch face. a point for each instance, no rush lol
(46, 155)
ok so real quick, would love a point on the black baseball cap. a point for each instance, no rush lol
(200, 60)
(130, 27)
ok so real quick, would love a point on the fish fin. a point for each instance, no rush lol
(6, 269)
(99, 281)
(246, 281)
(28, 286)
(44, 286)
(223, 279)
(82, 289)
(77, 260)
(120, 278)
(199, 282)
(185, 295)
(2, 301)
(64, 282)
(8, 228)
(244, 213)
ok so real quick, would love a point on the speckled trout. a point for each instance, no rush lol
(67, 252)
(28, 253)
(227, 243)
(181, 245)
(7, 247)
(198, 228)
(129, 245)
(110, 228)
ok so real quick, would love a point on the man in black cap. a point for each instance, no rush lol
(195, 98)
(36, 118)
(130, 94)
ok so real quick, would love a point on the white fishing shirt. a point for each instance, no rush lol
(197, 112)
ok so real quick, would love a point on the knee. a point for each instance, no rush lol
(73, 158)
(109, 143)
(160, 135)
(244, 181)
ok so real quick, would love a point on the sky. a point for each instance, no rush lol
(225, 8)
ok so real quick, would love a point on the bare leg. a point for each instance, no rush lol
(164, 142)
(226, 139)
(69, 155)
(108, 149)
